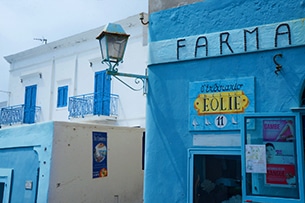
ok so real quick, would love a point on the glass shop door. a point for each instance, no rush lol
(272, 159)
(215, 176)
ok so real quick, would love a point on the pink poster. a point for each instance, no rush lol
(278, 130)
(279, 137)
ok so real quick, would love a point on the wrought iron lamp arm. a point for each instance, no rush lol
(138, 78)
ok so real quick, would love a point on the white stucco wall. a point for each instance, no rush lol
(72, 61)
(71, 171)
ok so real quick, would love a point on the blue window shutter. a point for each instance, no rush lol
(62, 96)
(102, 88)
(98, 86)
(65, 95)
(106, 95)
(59, 96)
(30, 104)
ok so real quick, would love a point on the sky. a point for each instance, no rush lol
(23, 20)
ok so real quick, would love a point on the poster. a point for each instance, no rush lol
(278, 136)
(255, 159)
(99, 154)
(283, 174)
(278, 130)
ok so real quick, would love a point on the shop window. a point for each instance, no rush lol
(216, 178)
(270, 157)
(62, 96)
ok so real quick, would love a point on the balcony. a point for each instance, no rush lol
(93, 104)
(18, 115)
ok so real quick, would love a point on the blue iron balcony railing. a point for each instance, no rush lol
(93, 104)
(18, 114)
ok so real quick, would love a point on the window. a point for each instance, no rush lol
(216, 178)
(215, 175)
(270, 157)
(62, 96)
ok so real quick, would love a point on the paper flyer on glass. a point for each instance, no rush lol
(99, 154)
(255, 159)
(278, 136)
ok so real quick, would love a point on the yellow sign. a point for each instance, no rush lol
(224, 103)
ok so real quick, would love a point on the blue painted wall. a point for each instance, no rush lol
(25, 149)
(168, 137)
(25, 164)
(212, 16)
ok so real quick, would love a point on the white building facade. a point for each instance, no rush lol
(65, 80)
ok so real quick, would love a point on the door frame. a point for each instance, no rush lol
(6, 178)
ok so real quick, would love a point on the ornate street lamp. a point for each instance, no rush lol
(113, 41)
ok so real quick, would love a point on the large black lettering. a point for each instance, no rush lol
(205, 44)
(179, 46)
(224, 41)
(286, 32)
(256, 38)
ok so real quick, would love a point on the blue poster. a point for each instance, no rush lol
(99, 154)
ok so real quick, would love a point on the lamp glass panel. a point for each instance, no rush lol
(116, 47)
(103, 47)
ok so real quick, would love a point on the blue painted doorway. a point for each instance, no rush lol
(30, 104)
(24, 163)
(101, 94)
